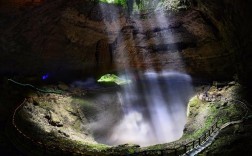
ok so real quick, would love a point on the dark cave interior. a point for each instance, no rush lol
(52, 52)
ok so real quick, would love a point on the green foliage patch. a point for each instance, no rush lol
(117, 2)
(143, 5)
(114, 78)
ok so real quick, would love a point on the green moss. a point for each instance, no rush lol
(77, 125)
(80, 101)
(74, 146)
(196, 107)
(156, 147)
(213, 110)
(117, 2)
(46, 105)
(208, 123)
(114, 78)
(194, 102)
(228, 140)
(86, 106)
(131, 150)
(97, 146)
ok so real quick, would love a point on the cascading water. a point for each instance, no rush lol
(152, 110)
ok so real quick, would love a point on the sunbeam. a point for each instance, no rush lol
(154, 104)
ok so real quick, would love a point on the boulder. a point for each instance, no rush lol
(55, 120)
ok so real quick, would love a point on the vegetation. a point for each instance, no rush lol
(143, 5)
(114, 78)
(201, 116)
(118, 2)
(234, 140)
(217, 110)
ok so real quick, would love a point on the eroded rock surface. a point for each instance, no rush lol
(61, 36)
(54, 116)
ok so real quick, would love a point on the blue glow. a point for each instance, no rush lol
(44, 77)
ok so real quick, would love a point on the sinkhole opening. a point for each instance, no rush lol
(149, 110)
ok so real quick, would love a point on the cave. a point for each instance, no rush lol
(125, 77)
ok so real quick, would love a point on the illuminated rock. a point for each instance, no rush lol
(114, 78)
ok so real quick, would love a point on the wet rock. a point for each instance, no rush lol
(29, 107)
(54, 119)
(30, 100)
(63, 133)
(185, 129)
(128, 146)
(218, 95)
(209, 97)
(224, 104)
(36, 102)
(231, 83)
(63, 86)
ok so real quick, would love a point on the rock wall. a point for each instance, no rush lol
(211, 40)
(15, 5)
(181, 41)
(56, 37)
(233, 21)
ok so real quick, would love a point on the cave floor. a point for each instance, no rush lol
(202, 113)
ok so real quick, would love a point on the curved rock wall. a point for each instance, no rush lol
(233, 20)
(211, 40)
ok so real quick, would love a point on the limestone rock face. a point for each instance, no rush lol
(232, 20)
(58, 36)
(181, 41)
(89, 38)
(54, 116)
(55, 120)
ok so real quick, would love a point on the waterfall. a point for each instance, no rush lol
(154, 108)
